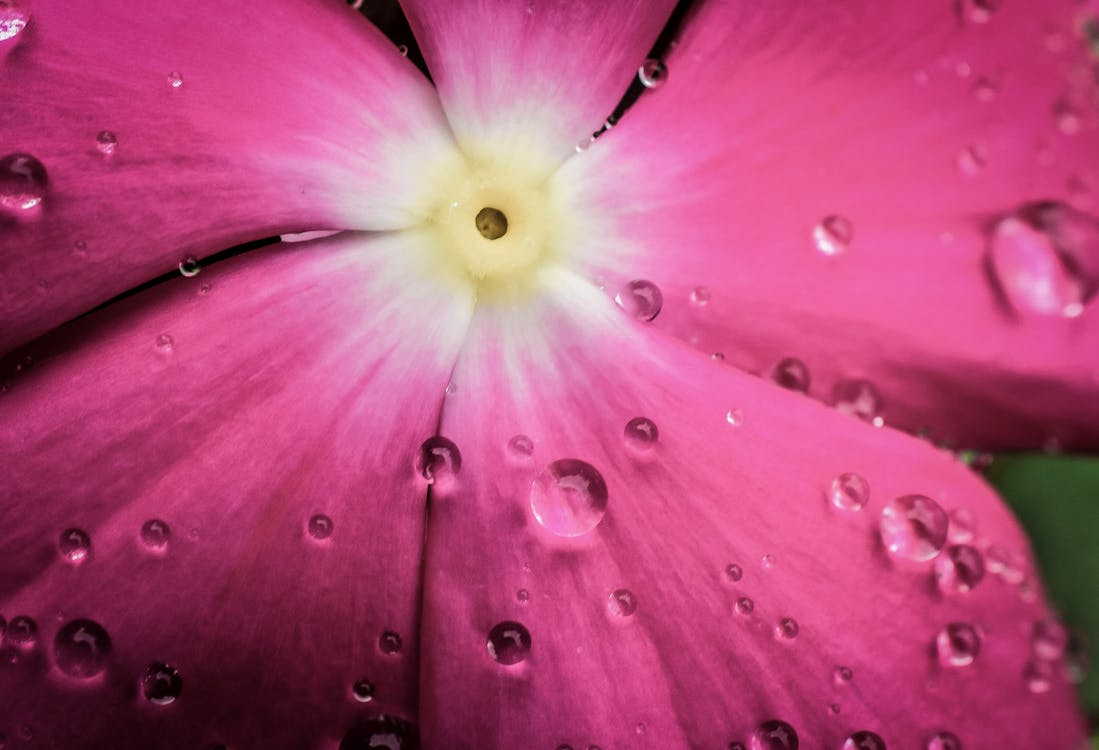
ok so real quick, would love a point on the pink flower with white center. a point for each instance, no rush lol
(485, 463)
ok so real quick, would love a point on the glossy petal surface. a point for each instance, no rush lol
(636, 637)
(239, 415)
(821, 181)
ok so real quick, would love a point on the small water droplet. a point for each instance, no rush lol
(106, 142)
(774, 735)
(22, 633)
(977, 11)
(849, 492)
(402, 50)
(736, 746)
(792, 374)
(363, 690)
(957, 644)
(80, 247)
(913, 528)
(175, 79)
(75, 545)
(23, 182)
(1067, 116)
(161, 684)
(622, 603)
(787, 629)
(985, 90)
(641, 434)
(81, 648)
(569, 497)
(842, 675)
(944, 741)
(735, 417)
(653, 73)
(833, 234)
(522, 596)
(381, 732)
(959, 569)
(744, 606)
(1002, 563)
(583, 145)
(320, 527)
(438, 459)
(1049, 639)
(508, 642)
(14, 15)
(767, 561)
(640, 299)
(858, 398)
(734, 572)
(700, 296)
(962, 525)
(1038, 676)
(972, 159)
(863, 741)
(390, 642)
(521, 447)
(165, 342)
(155, 534)
(189, 266)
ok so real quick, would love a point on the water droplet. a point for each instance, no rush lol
(22, 633)
(641, 434)
(833, 234)
(438, 459)
(1002, 563)
(857, 397)
(106, 142)
(792, 374)
(1067, 116)
(583, 145)
(959, 569)
(1038, 676)
(75, 545)
(850, 492)
(622, 603)
(972, 159)
(734, 572)
(521, 447)
(23, 182)
(744, 606)
(189, 266)
(735, 417)
(767, 561)
(944, 741)
(508, 642)
(913, 527)
(1031, 271)
(787, 629)
(155, 534)
(1049, 639)
(522, 596)
(653, 73)
(569, 497)
(319, 527)
(640, 299)
(175, 79)
(957, 644)
(80, 247)
(977, 11)
(700, 296)
(161, 684)
(402, 50)
(736, 746)
(81, 648)
(381, 732)
(774, 735)
(363, 690)
(985, 90)
(14, 16)
(962, 525)
(842, 675)
(390, 642)
(864, 741)
(165, 342)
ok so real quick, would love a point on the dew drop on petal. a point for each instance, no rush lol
(522, 596)
(165, 342)
(640, 299)
(957, 644)
(363, 690)
(189, 266)
(390, 642)
(381, 732)
(155, 534)
(320, 527)
(22, 633)
(1067, 117)
(850, 492)
(1049, 639)
(944, 741)
(402, 50)
(1038, 676)
(622, 603)
(977, 11)
(842, 675)
(971, 159)
(700, 296)
(23, 182)
(438, 459)
(863, 741)
(569, 497)
(774, 735)
(521, 447)
(913, 528)
(735, 417)
(508, 642)
(833, 234)
(653, 73)
(81, 648)
(1004, 564)
(767, 561)
(175, 79)
(736, 746)
(161, 684)
(962, 525)
(734, 572)
(858, 398)
(106, 142)
(985, 90)
(959, 569)
(14, 16)
(641, 434)
(744, 606)
(787, 629)
(792, 374)
(1030, 271)
(75, 545)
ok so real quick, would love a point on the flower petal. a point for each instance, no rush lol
(296, 382)
(531, 79)
(825, 183)
(289, 115)
(635, 638)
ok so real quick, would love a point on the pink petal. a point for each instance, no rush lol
(635, 639)
(302, 381)
(824, 183)
(532, 79)
(289, 115)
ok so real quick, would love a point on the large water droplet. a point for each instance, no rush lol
(774, 735)
(640, 299)
(622, 603)
(913, 527)
(363, 690)
(106, 142)
(653, 73)
(320, 527)
(438, 459)
(23, 182)
(864, 741)
(508, 642)
(14, 15)
(155, 534)
(75, 545)
(161, 684)
(641, 434)
(81, 648)
(833, 234)
(957, 644)
(390, 642)
(1035, 276)
(850, 492)
(857, 397)
(22, 633)
(381, 732)
(959, 569)
(944, 741)
(569, 497)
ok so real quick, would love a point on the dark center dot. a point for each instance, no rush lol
(491, 223)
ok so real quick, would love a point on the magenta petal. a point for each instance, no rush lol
(664, 552)
(532, 78)
(825, 184)
(172, 129)
(239, 464)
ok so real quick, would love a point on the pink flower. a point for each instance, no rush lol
(424, 478)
